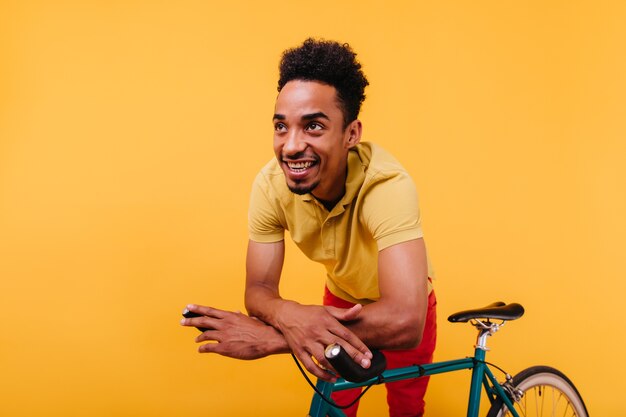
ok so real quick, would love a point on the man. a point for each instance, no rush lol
(347, 205)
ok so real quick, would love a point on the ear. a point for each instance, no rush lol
(353, 134)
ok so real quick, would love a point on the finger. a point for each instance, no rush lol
(345, 314)
(209, 335)
(210, 348)
(357, 350)
(357, 356)
(202, 323)
(314, 368)
(306, 359)
(323, 362)
(207, 311)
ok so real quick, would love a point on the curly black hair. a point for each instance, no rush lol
(331, 63)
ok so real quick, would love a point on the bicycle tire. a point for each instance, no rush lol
(546, 392)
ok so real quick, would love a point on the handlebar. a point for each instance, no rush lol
(351, 371)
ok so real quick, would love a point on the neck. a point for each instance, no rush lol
(328, 205)
(338, 190)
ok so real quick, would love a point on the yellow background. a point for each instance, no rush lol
(130, 132)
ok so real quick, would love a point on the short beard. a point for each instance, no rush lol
(301, 189)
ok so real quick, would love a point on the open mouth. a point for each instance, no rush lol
(298, 167)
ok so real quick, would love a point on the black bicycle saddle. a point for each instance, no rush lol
(497, 310)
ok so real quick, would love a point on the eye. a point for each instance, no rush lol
(280, 127)
(314, 126)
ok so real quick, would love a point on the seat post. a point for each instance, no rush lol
(481, 339)
(485, 329)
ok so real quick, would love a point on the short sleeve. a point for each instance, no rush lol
(264, 225)
(391, 210)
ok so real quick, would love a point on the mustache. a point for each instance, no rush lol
(300, 155)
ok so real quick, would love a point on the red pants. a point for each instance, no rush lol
(405, 398)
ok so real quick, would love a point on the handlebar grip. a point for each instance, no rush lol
(349, 369)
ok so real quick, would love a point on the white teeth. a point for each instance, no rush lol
(299, 166)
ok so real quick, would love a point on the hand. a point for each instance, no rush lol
(234, 334)
(309, 329)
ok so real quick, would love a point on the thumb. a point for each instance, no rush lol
(344, 314)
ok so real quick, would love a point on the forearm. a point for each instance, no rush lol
(379, 325)
(387, 323)
(264, 303)
(274, 342)
(307, 330)
(396, 320)
(263, 268)
(384, 326)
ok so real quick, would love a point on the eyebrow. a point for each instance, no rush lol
(310, 116)
(318, 115)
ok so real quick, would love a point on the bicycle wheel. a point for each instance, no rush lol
(546, 392)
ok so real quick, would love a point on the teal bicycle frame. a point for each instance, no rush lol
(481, 377)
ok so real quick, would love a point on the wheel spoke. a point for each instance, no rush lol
(546, 393)
(537, 392)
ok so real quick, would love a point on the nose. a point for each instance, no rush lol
(294, 144)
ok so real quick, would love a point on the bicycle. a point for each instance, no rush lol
(536, 391)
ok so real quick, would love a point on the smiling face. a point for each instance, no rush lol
(310, 141)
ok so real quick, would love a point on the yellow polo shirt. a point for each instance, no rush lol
(378, 210)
